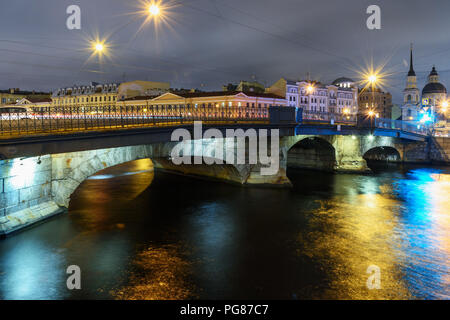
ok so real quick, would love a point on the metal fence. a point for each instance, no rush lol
(67, 118)
(407, 126)
(328, 117)
(363, 122)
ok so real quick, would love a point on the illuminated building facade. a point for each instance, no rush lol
(14, 95)
(376, 101)
(94, 94)
(35, 102)
(341, 97)
(432, 105)
(107, 94)
(220, 100)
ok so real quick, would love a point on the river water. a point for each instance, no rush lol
(136, 234)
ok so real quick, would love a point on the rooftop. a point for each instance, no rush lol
(228, 93)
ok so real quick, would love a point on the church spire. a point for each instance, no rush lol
(411, 72)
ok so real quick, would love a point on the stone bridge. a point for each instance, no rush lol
(39, 176)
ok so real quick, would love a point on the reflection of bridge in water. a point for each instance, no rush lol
(47, 155)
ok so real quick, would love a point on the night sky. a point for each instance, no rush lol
(207, 43)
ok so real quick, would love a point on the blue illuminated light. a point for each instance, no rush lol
(426, 118)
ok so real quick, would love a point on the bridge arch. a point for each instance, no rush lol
(312, 152)
(69, 170)
(383, 153)
(383, 146)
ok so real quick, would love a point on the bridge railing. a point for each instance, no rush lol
(407, 126)
(328, 117)
(69, 118)
(365, 122)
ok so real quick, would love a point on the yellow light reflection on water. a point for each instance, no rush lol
(403, 228)
(134, 177)
(358, 235)
(161, 273)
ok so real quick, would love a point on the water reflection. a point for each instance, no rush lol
(425, 231)
(29, 267)
(143, 235)
(346, 235)
(157, 273)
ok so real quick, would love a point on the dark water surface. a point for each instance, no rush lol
(141, 235)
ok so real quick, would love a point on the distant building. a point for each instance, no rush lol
(36, 102)
(245, 86)
(105, 94)
(433, 100)
(14, 95)
(94, 93)
(217, 100)
(376, 101)
(340, 97)
(142, 88)
(287, 89)
(411, 97)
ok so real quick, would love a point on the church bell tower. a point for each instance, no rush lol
(411, 92)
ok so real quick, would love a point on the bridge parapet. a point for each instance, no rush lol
(67, 119)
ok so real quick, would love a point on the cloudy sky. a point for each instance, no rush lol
(207, 43)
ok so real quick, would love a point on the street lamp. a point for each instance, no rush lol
(373, 79)
(99, 47)
(154, 9)
(444, 106)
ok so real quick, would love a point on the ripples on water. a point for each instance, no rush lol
(137, 235)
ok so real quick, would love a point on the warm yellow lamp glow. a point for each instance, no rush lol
(310, 89)
(99, 47)
(372, 78)
(371, 113)
(154, 10)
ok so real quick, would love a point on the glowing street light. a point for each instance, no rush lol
(371, 113)
(99, 47)
(310, 88)
(444, 106)
(154, 9)
(373, 79)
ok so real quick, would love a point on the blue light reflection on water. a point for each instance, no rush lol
(28, 267)
(229, 243)
(424, 231)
